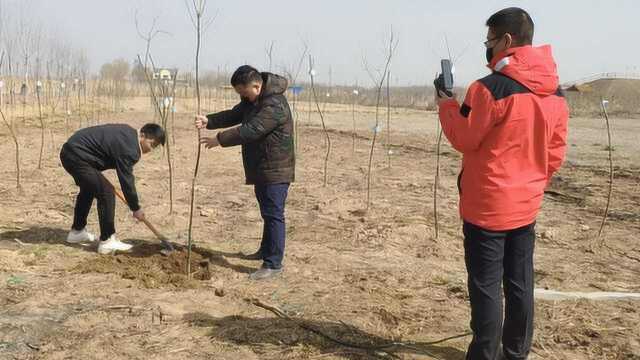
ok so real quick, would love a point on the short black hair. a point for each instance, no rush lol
(513, 21)
(154, 132)
(245, 75)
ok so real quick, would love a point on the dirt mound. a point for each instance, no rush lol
(622, 95)
(612, 87)
(153, 270)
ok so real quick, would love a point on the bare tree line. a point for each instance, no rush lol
(38, 69)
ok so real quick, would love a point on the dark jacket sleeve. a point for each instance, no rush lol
(258, 126)
(225, 119)
(124, 169)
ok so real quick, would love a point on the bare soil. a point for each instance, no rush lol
(368, 278)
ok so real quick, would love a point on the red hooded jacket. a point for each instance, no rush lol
(512, 131)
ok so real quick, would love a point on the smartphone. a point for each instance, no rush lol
(447, 74)
(444, 81)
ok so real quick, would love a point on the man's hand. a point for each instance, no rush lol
(209, 142)
(201, 121)
(139, 215)
(443, 97)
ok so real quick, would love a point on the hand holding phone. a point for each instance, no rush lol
(444, 81)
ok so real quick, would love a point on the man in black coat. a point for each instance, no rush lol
(92, 150)
(265, 132)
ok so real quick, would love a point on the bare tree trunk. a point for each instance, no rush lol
(309, 105)
(436, 184)
(610, 151)
(17, 145)
(24, 107)
(353, 118)
(173, 118)
(66, 112)
(269, 51)
(168, 143)
(224, 97)
(79, 112)
(41, 127)
(163, 105)
(198, 8)
(324, 128)
(391, 49)
(170, 165)
(296, 91)
(216, 102)
(95, 103)
(388, 121)
(373, 146)
(295, 122)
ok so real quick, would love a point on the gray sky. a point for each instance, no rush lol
(587, 36)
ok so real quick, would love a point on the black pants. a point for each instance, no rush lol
(272, 198)
(494, 259)
(92, 185)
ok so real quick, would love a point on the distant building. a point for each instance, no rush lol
(164, 74)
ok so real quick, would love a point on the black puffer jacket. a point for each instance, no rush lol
(265, 133)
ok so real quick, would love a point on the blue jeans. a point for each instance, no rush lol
(271, 198)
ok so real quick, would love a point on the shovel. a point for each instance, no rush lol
(168, 248)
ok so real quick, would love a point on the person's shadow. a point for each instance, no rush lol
(219, 258)
(256, 332)
(141, 248)
(38, 235)
(144, 248)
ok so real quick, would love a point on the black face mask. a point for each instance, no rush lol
(489, 55)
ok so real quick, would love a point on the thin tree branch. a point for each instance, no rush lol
(324, 127)
(610, 151)
(393, 43)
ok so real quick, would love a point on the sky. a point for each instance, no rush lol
(588, 37)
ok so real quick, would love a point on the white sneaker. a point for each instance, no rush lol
(80, 236)
(111, 245)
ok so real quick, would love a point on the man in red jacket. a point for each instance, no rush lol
(511, 129)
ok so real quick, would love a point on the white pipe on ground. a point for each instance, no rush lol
(545, 294)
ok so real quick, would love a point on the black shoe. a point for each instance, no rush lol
(255, 256)
(265, 273)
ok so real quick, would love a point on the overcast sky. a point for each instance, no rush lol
(588, 37)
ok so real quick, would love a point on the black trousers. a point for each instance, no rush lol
(496, 258)
(92, 185)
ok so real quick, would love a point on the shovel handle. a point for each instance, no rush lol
(153, 229)
(118, 193)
